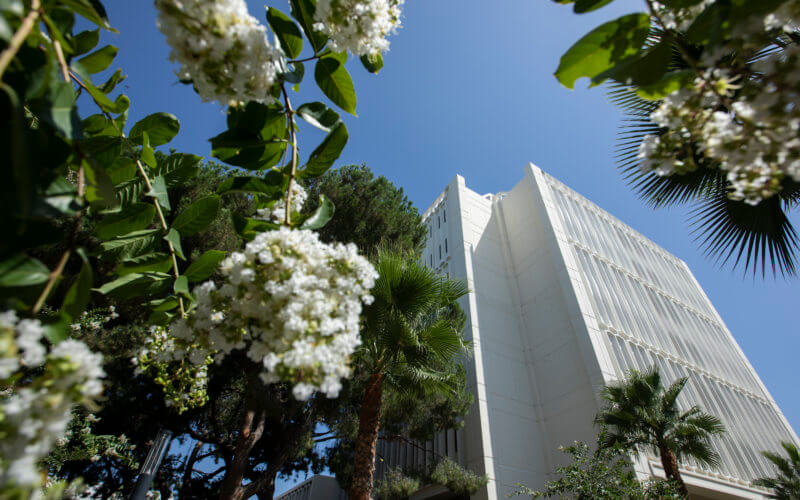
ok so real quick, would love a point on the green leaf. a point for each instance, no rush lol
(96, 124)
(86, 41)
(204, 266)
(174, 237)
(56, 331)
(131, 218)
(136, 285)
(122, 170)
(303, 11)
(162, 305)
(319, 115)
(100, 190)
(77, 297)
(248, 228)
(286, 30)
(160, 127)
(668, 84)
(99, 60)
(603, 48)
(197, 216)
(295, 75)
(148, 156)
(645, 68)
(61, 196)
(159, 191)
(92, 10)
(119, 105)
(374, 62)
(181, 286)
(130, 245)
(583, 6)
(335, 82)
(112, 82)
(321, 215)
(58, 109)
(104, 149)
(178, 168)
(156, 262)
(273, 184)
(21, 270)
(326, 153)
(255, 139)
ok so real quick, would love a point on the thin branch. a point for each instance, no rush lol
(293, 140)
(315, 56)
(164, 226)
(322, 440)
(62, 262)
(19, 37)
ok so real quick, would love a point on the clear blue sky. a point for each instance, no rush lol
(468, 89)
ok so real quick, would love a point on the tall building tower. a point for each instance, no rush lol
(565, 298)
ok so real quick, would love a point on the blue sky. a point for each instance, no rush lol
(468, 89)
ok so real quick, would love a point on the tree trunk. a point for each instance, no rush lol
(368, 426)
(250, 431)
(670, 464)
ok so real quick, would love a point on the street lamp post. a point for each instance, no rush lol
(151, 464)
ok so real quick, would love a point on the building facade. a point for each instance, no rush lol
(565, 298)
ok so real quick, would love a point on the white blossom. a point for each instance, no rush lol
(220, 47)
(358, 26)
(290, 302)
(277, 213)
(34, 416)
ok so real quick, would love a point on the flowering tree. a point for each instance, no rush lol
(289, 302)
(712, 91)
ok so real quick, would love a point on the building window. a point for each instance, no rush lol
(431, 260)
(431, 227)
(444, 214)
(438, 222)
(445, 245)
(440, 251)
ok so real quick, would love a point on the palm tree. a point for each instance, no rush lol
(641, 412)
(787, 484)
(410, 338)
(760, 236)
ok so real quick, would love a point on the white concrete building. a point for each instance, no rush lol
(563, 299)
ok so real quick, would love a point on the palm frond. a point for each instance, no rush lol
(759, 236)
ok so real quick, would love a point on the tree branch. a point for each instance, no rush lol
(19, 37)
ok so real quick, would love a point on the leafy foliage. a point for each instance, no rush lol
(602, 473)
(398, 484)
(786, 484)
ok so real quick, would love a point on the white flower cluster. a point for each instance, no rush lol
(34, 417)
(746, 123)
(221, 48)
(277, 213)
(358, 26)
(290, 302)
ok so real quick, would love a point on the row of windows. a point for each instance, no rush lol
(438, 221)
(446, 250)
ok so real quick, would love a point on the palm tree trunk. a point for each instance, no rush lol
(368, 426)
(670, 464)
